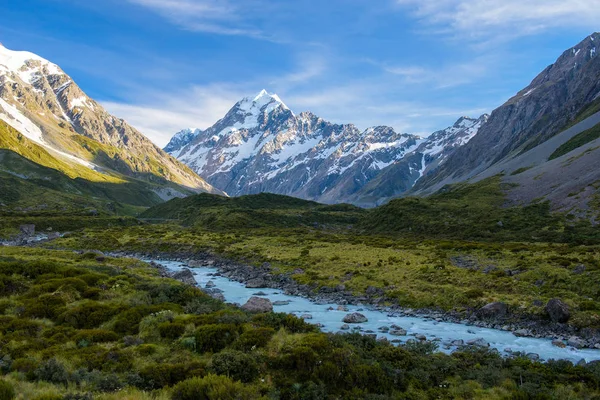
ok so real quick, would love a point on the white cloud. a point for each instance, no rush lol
(212, 16)
(477, 19)
(163, 114)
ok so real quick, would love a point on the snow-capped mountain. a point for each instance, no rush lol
(262, 146)
(38, 99)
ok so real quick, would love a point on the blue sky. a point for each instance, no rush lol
(416, 65)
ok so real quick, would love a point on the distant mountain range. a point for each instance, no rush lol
(262, 146)
(46, 111)
(61, 145)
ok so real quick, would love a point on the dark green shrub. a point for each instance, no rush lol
(45, 306)
(52, 371)
(171, 330)
(96, 336)
(157, 376)
(254, 338)
(215, 338)
(236, 365)
(212, 387)
(7, 392)
(26, 366)
(88, 315)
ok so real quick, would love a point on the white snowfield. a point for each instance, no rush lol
(29, 67)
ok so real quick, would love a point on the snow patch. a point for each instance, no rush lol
(18, 62)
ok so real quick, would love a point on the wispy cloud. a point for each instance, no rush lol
(213, 16)
(478, 19)
(163, 113)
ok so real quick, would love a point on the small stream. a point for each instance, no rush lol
(331, 320)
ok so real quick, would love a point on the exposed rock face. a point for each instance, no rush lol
(258, 305)
(543, 109)
(558, 311)
(493, 310)
(43, 103)
(355, 318)
(262, 146)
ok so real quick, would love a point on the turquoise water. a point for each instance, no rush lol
(331, 320)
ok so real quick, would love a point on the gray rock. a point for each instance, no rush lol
(210, 284)
(576, 342)
(27, 229)
(306, 316)
(481, 342)
(559, 343)
(398, 332)
(257, 283)
(421, 337)
(493, 310)
(580, 269)
(355, 318)
(281, 302)
(558, 311)
(521, 332)
(258, 305)
(533, 356)
(186, 276)
(345, 327)
(457, 342)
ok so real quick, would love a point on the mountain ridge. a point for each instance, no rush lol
(262, 145)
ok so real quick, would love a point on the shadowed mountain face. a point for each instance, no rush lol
(262, 146)
(564, 93)
(46, 107)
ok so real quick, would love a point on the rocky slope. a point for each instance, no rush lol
(262, 146)
(46, 106)
(565, 93)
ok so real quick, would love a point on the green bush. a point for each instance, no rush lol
(88, 315)
(215, 337)
(52, 371)
(7, 392)
(236, 365)
(171, 330)
(212, 387)
(96, 336)
(254, 338)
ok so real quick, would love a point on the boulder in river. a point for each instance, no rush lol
(306, 316)
(481, 342)
(186, 276)
(345, 327)
(258, 305)
(398, 332)
(281, 302)
(559, 343)
(576, 342)
(493, 310)
(558, 311)
(355, 318)
(210, 284)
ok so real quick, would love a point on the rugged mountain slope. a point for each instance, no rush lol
(566, 92)
(44, 104)
(262, 146)
(402, 175)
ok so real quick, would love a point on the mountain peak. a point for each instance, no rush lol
(18, 62)
(262, 99)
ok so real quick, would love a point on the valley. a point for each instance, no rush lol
(279, 255)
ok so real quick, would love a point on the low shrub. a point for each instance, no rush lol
(212, 387)
(236, 365)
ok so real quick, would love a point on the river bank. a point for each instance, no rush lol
(264, 276)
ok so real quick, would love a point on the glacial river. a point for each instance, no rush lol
(331, 320)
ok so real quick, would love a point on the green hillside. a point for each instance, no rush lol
(251, 211)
